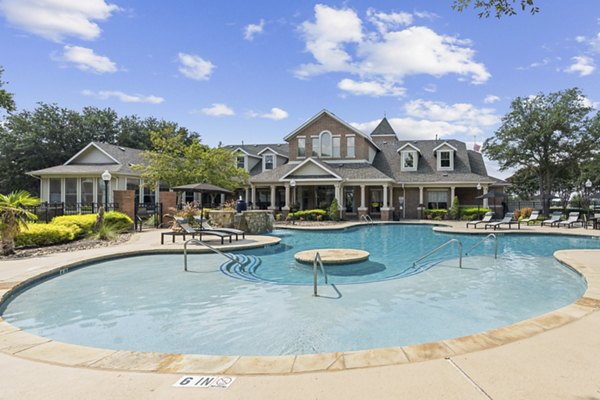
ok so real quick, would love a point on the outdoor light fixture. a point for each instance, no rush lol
(106, 177)
(588, 184)
(478, 186)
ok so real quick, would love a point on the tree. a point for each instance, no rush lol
(178, 159)
(524, 183)
(12, 216)
(499, 7)
(6, 99)
(545, 133)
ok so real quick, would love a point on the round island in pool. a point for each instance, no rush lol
(332, 256)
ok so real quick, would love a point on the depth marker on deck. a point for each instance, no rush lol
(205, 381)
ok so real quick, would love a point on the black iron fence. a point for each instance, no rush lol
(46, 211)
(148, 213)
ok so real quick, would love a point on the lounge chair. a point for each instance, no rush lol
(554, 219)
(593, 221)
(508, 219)
(187, 228)
(207, 227)
(573, 219)
(535, 214)
(487, 217)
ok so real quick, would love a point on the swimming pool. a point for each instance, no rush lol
(147, 303)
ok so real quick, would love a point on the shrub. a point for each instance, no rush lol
(309, 215)
(106, 232)
(471, 213)
(523, 213)
(37, 235)
(455, 209)
(437, 214)
(82, 225)
(334, 211)
(118, 221)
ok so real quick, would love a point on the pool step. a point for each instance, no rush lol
(244, 267)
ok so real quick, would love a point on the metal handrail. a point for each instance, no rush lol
(483, 240)
(367, 218)
(200, 242)
(318, 261)
(441, 247)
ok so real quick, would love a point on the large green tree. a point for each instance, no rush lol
(6, 99)
(50, 135)
(498, 8)
(178, 159)
(545, 134)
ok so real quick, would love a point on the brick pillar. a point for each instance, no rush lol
(169, 203)
(126, 201)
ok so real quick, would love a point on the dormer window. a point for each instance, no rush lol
(444, 154)
(269, 161)
(409, 157)
(241, 161)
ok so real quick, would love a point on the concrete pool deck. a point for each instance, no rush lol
(552, 356)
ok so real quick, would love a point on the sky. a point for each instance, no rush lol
(253, 71)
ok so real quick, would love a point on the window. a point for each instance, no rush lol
(70, 191)
(87, 190)
(336, 147)
(437, 199)
(409, 160)
(134, 184)
(445, 159)
(269, 161)
(326, 144)
(315, 147)
(241, 161)
(350, 147)
(55, 192)
(301, 147)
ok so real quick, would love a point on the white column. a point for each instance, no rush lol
(337, 193)
(420, 194)
(272, 197)
(253, 198)
(247, 197)
(362, 196)
(391, 201)
(222, 198)
(287, 197)
(452, 189)
(485, 201)
(385, 196)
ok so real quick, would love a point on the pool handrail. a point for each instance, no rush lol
(317, 261)
(483, 240)
(367, 218)
(200, 242)
(440, 248)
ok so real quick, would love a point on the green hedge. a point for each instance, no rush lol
(472, 212)
(439, 213)
(36, 235)
(83, 225)
(309, 215)
(119, 221)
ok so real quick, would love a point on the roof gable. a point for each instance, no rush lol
(310, 169)
(445, 144)
(92, 154)
(272, 151)
(383, 129)
(409, 145)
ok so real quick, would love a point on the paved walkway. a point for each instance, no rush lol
(557, 363)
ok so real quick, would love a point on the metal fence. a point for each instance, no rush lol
(148, 212)
(46, 211)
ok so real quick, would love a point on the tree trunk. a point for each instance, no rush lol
(8, 245)
(543, 198)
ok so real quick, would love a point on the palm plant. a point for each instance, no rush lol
(13, 216)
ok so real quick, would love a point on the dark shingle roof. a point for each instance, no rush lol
(254, 149)
(384, 128)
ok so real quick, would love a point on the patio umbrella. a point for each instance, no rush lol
(492, 194)
(201, 188)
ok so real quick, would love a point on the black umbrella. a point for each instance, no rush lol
(492, 194)
(201, 188)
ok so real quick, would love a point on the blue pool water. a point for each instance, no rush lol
(147, 303)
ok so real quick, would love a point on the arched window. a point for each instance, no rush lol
(326, 144)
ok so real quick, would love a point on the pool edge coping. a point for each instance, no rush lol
(19, 343)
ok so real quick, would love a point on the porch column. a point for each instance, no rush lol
(452, 190)
(247, 197)
(222, 198)
(253, 198)
(272, 207)
(485, 201)
(420, 194)
(362, 196)
(385, 196)
(337, 193)
(391, 199)
(287, 197)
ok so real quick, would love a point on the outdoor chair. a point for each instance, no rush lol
(535, 214)
(205, 226)
(591, 221)
(554, 219)
(573, 219)
(508, 219)
(187, 228)
(487, 217)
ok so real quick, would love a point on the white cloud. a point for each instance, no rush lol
(595, 43)
(586, 102)
(218, 110)
(370, 88)
(252, 30)
(86, 60)
(430, 88)
(123, 97)
(464, 113)
(195, 67)
(580, 39)
(339, 43)
(57, 19)
(276, 114)
(490, 98)
(411, 128)
(582, 65)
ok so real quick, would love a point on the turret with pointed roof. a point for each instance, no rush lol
(383, 129)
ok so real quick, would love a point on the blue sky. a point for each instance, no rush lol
(254, 71)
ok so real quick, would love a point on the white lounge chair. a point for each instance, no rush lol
(573, 219)
(487, 217)
(535, 214)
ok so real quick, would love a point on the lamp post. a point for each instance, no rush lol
(478, 189)
(293, 186)
(106, 176)
(588, 187)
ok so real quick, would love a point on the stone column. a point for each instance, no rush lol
(420, 194)
(452, 194)
(362, 210)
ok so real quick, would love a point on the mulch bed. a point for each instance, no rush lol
(82, 244)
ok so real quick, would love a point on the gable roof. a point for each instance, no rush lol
(254, 150)
(272, 151)
(337, 119)
(442, 145)
(409, 145)
(383, 129)
(310, 160)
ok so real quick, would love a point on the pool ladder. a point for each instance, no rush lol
(367, 218)
(491, 235)
(214, 250)
(449, 242)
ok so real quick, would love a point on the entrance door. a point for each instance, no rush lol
(376, 199)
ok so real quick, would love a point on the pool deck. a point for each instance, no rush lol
(555, 356)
